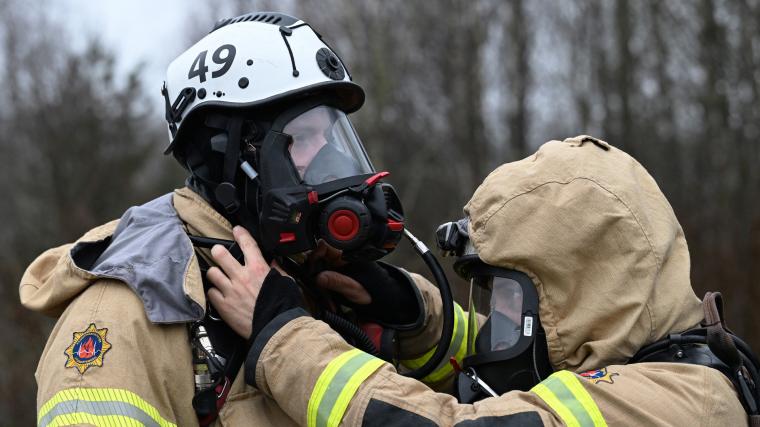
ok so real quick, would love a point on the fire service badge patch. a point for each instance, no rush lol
(87, 349)
(597, 376)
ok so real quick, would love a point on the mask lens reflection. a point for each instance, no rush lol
(309, 133)
(506, 313)
(500, 301)
(325, 147)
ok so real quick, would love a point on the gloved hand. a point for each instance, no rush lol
(278, 294)
(377, 291)
(249, 295)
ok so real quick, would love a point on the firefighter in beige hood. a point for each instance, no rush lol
(608, 260)
(257, 114)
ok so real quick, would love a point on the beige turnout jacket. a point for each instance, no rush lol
(601, 243)
(115, 356)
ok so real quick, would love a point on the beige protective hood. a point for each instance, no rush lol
(52, 280)
(593, 230)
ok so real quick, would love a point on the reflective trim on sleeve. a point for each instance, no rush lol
(99, 407)
(337, 385)
(472, 329)
(457, 349)
(564, 393)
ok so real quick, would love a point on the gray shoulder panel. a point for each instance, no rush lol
(151, 253)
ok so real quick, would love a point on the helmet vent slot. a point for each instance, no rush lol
(273, 18)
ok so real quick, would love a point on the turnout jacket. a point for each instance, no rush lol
(124, 294)
(610, 263)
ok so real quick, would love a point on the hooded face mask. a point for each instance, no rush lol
(508, 350)
(597, 240)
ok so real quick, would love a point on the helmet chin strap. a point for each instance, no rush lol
(239, 206)
(226, 192)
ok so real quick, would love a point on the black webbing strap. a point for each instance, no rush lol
(207, 403)
(226, 192)
(721, 343)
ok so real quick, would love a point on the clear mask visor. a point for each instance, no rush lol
(499, 301)
(325, 146)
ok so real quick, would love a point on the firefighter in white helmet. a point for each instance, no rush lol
(257, 114)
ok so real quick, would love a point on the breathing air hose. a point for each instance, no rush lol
(447, 301)
(346, 328)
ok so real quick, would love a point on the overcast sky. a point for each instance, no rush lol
(149, 31)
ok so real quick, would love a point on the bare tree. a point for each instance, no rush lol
(76, 143)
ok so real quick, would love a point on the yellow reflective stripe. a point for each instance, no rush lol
(567, 417)
(70, 405)
(472, 329)
(581, 394)
(565, 394)
(349, 390)
(323, 382)
(96, 420)
(458, 349)
(337, 385)
(458, 319)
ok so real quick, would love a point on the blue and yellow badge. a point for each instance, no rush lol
(88, 348)
(597, 376)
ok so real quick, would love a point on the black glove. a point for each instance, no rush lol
(395, 299)
(278, 294)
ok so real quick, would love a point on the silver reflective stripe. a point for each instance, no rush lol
(107, 408)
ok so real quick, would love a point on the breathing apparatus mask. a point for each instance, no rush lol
(318, 183)
(508, 350)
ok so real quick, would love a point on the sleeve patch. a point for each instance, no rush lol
(87, 348)
(597, 376)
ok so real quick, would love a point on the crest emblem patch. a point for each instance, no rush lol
(87, 349)
(597, 376)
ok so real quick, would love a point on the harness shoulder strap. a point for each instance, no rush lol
(209, 401)
(713, 345)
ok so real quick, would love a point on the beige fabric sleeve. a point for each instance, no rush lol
(666, 394)
(303, 367)
(416, 343)
(143, 372)
(315, 377)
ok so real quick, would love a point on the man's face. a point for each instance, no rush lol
(508, 301)
(308, 131)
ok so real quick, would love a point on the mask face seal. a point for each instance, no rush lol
(507, 350)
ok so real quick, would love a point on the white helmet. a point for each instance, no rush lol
(252, 60)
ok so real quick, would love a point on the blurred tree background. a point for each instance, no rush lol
(454, 88)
